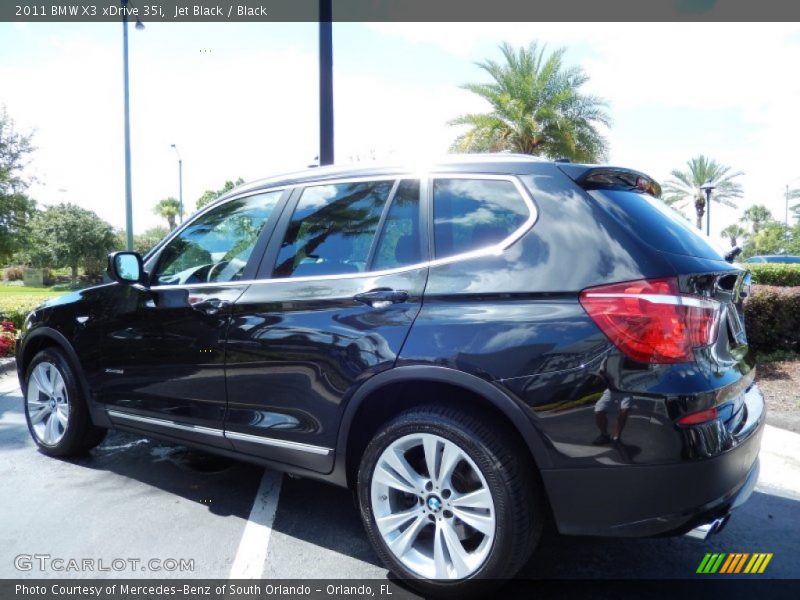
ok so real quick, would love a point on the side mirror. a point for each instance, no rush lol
(125, 267)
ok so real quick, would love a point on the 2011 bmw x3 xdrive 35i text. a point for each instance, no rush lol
(472, 349)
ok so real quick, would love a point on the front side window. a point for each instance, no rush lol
(470, 214)
(332, 228)
(216, 246)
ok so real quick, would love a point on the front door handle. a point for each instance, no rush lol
(382, 297)
(211, 306)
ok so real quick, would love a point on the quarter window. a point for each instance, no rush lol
(399, 243)
(332, 229)
(470, 214)
(216, 246)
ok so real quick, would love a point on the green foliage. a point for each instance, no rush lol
(169, 208)
(775, 274)
(773, 318)
(756, 217)
(536, 108)
(211, 195)
(776, 356)
(734, 233)
(685, 186)
(773, 238)
(17, 302)
(67, 235)
(15, 207)
(143, 242)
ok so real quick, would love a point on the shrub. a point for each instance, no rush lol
(15, 273)
(15, 307)
(8, 338)
(775, 274)
(772, 314)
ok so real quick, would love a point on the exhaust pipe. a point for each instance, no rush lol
(701, 532)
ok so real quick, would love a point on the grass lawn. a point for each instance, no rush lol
(18, 291)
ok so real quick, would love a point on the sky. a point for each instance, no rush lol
(240, 100)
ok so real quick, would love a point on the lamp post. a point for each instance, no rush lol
(325, 83)
(708, 187)
(786, 208)
(127, 120)
(180, 182)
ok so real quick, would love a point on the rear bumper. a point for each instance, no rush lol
(650, 500)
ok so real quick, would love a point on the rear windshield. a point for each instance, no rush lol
(655, 223)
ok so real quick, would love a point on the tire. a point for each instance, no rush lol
(496, 531)
(55, 408)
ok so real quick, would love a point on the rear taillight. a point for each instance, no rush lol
(703, 416)
(651, 321)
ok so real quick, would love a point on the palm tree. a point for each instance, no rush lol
(756, 217)
(169, 209)
(536, 108)
(733, 233)
(685, 186)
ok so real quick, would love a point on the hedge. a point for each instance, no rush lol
(15, 307)
(774, 273)
(772, 316)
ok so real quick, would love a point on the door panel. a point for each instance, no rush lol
(164, 346)
(302, 341)
(165, 357)
(296, 351)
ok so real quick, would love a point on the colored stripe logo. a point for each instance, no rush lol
(734, 562)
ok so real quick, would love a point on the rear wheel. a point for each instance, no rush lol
(448, 501)
(55, 409)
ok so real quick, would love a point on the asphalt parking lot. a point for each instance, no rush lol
(146, 500)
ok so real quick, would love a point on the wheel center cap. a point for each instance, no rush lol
(52, 403)
(434, 503)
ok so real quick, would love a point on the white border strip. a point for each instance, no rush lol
(251, 556)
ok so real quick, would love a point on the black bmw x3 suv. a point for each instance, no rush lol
(472, 348)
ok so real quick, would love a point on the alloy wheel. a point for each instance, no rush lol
(47, 404)
(433, 507)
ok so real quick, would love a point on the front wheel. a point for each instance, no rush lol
(55, 409)
(448, 501)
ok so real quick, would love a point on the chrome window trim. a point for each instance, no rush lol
(231, 435)
(494, 250)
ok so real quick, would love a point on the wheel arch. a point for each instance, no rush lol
(373, 403)
(47, 337)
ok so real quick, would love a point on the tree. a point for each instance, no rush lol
(169, 208)
(143, 242)
(67, 235)
(211, 195)
(733, 233)
(685, 186)
(756, 217)
(536, 108)
(15, 206)
(772, 237)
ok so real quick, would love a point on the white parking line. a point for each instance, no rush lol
(252, 552)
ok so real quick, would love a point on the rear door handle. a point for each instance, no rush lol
(382, 297)
(212, 306)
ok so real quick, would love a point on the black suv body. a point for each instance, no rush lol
(550, 329)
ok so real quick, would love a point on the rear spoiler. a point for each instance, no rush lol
(611, 178)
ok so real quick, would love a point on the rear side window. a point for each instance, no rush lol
(656, 224)
(399, 243)
(332, 229)
(470, 214)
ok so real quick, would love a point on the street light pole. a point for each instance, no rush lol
(180, 183)
(127, 118)
(708, 187)
(325, 83)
